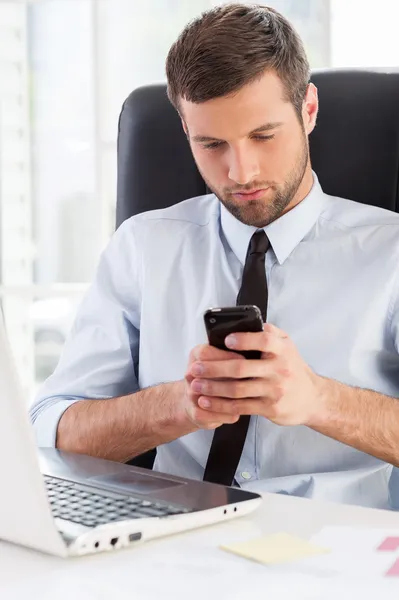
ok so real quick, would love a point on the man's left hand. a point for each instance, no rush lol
(280, 386)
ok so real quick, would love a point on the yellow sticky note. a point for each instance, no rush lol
(274, 549)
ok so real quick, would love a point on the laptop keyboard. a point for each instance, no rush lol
(91, 508)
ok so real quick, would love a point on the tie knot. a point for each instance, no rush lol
(259, 243)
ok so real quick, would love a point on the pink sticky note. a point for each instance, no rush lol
(390, 544)
(394, 570)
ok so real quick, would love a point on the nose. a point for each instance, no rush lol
(243, 166)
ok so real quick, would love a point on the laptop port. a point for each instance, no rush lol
(114, 541)
(134, 537)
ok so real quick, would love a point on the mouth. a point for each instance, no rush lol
(251, 195)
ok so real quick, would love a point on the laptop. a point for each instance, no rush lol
(70, 504)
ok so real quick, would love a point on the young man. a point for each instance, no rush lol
(137, 372)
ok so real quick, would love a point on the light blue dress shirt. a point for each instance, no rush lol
(333, 286)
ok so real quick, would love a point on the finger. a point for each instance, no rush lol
(206, 419)
(270, 328)
(235, 369)
(208, 352)
(244, 406)
(252, 388)
(265, 341)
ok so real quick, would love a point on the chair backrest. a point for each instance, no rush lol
(354, 147)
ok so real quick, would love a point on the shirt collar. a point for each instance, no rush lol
(284, 233)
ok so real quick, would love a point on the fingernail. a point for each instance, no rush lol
(204, 403)
(197, 386)
(197, 369)
(230, 341)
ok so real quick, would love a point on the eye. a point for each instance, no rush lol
(263, 138)
(259, 138)
(213, 145)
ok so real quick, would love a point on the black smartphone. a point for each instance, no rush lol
(219, 322)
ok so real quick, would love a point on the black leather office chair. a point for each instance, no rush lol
(354, 148)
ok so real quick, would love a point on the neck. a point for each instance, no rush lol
(303, 190)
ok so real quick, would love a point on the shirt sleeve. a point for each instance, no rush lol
(393, 320)
(393, 315)
(100, 356)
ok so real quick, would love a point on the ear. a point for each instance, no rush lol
(185, 128)
(310, 108)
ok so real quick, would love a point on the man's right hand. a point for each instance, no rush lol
(204, 419)
(157, 415)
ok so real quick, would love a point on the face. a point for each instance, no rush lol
(252, 150)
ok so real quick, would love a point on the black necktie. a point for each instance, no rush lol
(228, 440)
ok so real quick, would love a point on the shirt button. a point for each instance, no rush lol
(246, 475)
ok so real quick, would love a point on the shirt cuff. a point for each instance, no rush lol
(46, 423)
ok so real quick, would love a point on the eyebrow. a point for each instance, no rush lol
(261, 128)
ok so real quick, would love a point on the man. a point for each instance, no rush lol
(137, 373)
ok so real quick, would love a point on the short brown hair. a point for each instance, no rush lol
(232, 45)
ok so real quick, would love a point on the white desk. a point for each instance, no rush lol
(191, 565)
